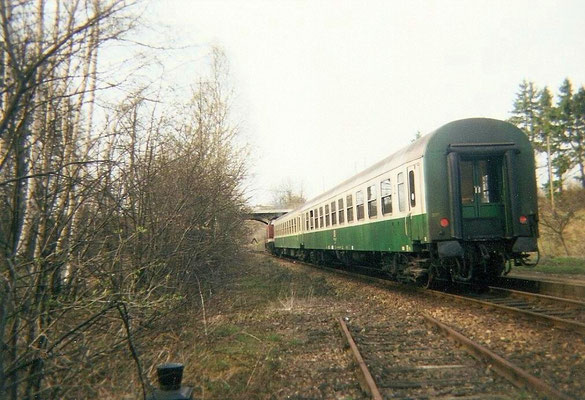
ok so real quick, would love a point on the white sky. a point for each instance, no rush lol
(326, 88)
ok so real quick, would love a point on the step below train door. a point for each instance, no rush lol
(482, 200)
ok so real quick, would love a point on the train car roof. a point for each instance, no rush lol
(434, 141)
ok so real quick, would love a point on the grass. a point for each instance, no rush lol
(240, 357)
(557, 265)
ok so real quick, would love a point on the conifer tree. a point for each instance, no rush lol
(545, 131)
(578, 137)
(525, 112)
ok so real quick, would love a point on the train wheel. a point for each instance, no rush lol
(431, 281)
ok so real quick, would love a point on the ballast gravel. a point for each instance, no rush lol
(320, 368)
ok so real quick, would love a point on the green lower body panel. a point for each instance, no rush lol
(395, 235)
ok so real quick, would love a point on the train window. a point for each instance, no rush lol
(489, 175)
(359, 204)
(306, 221)
(401, 194)
(327, 215)
(349, 204)
(386, 196)
(411, 193)
(340, 204)
(467, 187)
(333, 214)
(321, 217)
(372, 203)
(312, 220)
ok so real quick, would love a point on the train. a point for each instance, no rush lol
(457, 205)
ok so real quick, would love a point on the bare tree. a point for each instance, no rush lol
(105, 224)
(556, 221)
(49, 56)
(288, 194)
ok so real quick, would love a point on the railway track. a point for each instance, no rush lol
(559, 312)
(545, 287)
(405, 361)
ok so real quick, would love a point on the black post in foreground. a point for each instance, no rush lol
(169, 379)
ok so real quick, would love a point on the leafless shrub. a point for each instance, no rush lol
(104, 225)
(556, 222)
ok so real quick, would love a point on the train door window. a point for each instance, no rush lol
(333, 214)
(349, 205)
(489, 180)
(467, 186)
(411, 191)
(321, 217)
(401, 193)
(327, 215)
(312, 219)
(386, 196)
(340, 204)
(372, 203)
(359, 204)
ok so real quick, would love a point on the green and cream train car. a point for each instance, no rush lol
(458, 204)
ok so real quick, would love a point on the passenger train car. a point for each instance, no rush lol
(458, 204)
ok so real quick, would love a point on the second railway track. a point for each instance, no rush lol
(561, 313)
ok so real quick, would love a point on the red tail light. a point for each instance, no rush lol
(444, 222)
(523, 220)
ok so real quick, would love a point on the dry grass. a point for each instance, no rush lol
(239, 356)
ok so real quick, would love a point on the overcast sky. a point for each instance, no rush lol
(326, 88)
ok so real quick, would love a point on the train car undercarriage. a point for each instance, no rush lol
(479, 264)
